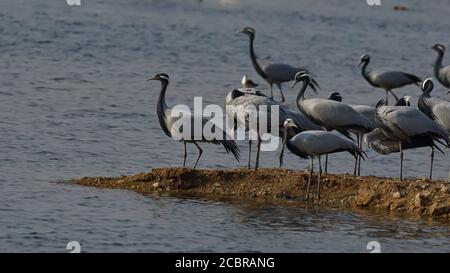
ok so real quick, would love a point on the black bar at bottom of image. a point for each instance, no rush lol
(226, 262)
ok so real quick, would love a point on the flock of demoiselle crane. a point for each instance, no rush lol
(327, 126)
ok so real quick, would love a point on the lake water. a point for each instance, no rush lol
(74, 102)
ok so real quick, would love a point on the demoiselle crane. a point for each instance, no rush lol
(435, 108)
(409, 128)
(441, 73)
(273, 73)
(244, 101)
(387, 80)
(366, 110)
(332, 115)
(166, 121)
(314, 144)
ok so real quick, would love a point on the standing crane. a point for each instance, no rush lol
(166, 121)
(273, 73)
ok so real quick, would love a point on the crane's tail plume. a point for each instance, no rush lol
(438, 148)
(346, 134)
(417, 81)
(355, 151)
(230, 146)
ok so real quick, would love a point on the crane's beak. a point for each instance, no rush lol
(448, 92)
(240, 31)
(360, 63)
(151, 79)
(294, 84)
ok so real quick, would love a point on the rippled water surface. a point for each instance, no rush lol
(74, 102)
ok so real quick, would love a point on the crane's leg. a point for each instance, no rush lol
(185, 154)
(387, 97)
(356, 159)
(326, 163)
(359, 157)
(281, 92)
(200, 152)
(311, 169)
(249, 154)
(401, 160)
(431, 165)
(281, 157)
(271, 90)
(318, 179)
(257, 153)
(396, 98)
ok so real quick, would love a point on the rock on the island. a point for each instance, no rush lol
(445, 189)
(422, 199)
(155, 185)
(397, 194)
(439, 210)
(364, 198)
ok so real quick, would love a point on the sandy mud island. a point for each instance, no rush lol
(412, 197)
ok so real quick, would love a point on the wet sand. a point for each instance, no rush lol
(411, 196)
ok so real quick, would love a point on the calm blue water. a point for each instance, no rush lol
(74, 102)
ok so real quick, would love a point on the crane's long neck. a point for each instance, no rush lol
(301, 94)
(162, 106)
(285, 137)
(438, 64)
(254, 60)
(365, 74)
(422, 102)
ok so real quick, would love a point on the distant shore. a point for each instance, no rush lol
(411, 196)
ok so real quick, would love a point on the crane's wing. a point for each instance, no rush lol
(280, 72)
(441, 111)
(406, 122)
(444, 75)
(323, 142)
(378, 142)
(366, 110)
(303, 121)
(335, 113)
(393, 79)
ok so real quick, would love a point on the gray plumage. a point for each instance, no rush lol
(441, 73)
(331, 114)
(410, 127)
(314, 144)
(435, 108)
(273, 73)
(402, 123)
(377, 141)
(381, 144)
(387, 80)
(367, 111)
(239, 100)
(166, 121)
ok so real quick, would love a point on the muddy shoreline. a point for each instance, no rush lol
(411, 196)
